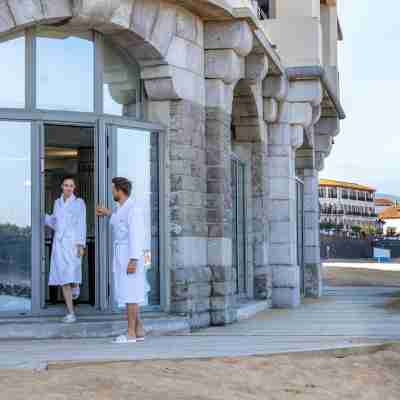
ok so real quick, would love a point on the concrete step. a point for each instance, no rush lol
(88, 327)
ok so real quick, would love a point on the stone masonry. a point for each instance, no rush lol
(217, 86)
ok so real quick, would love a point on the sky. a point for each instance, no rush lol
(367, 150)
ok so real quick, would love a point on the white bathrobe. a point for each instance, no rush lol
(69, 224)
(128, 244)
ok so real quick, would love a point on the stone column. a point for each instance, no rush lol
(260, 223)
(283, 139)
(288, 108)
(312, 257)
(226, 44)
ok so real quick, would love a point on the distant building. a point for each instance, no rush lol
(391, 217)
(382, 203)
(346, 204)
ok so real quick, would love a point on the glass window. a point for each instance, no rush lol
(15, 216)
(137, 160)
(121, 88)
(65, 70)
(12, 72)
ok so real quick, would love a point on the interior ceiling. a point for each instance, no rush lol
(65, 136)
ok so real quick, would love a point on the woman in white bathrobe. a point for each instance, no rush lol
(128, 257)
(69, 224)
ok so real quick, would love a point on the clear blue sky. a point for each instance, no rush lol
(368, 148)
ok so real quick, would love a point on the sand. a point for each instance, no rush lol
(371, 374)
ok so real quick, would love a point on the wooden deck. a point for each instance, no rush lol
(344, 317)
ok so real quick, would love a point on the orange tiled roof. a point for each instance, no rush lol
(384, 202)
(390, 213)
(345, 185)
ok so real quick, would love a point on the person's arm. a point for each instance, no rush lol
(81, 239)
(50, 219)
(134, 242)
(103, 211)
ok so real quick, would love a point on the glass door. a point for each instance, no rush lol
(134, 154)
(300, 230)
(239, 257)
(69, 150)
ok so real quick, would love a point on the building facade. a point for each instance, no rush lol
(382, 203)
(391, 218)
(220, 112)
(345, 204)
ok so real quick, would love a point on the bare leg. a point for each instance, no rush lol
(140, 333)
(133, 312)
(68, 298)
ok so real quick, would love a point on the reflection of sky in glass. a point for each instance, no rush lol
(133, 162)
(15, 167)
(110, 105)
(65, 74)
(12, 73)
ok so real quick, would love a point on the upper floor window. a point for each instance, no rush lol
(321, 192)
(361, 196)
(332, 193)
(263, 8)
(65, 64)
(345, 194)
(65, 74)
(12, 71)
(121, 84)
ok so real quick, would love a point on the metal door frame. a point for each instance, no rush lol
(111, 128)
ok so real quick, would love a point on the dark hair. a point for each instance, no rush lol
(122, 184)
(68, 177)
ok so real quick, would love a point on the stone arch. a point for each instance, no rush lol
(247, 123)
(152, 32)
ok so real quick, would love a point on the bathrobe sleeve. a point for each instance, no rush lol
(135, 234)
(81, 234)
(50, 220)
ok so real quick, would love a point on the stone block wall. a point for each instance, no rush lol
(190, 274)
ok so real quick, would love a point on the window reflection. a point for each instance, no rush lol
(121, 88)
(137, 160)
(65, 70)
(12, 72)
(15, 217)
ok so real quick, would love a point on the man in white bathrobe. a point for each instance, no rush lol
(68, 222)
(128, 257)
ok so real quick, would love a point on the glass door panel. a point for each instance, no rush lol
(300, 230)
(69, 150)
(239, 258)
(134, 155)
(15, 217)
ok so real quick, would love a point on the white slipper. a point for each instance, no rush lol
(69, 319)
(124, 339)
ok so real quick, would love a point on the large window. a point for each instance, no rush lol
(15, 216)
(12, 72)
(68, 69)
(121, 83)
(65, 70)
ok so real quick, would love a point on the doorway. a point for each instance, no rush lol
(70, 151)
(239, 253)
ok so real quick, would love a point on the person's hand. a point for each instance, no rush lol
(80, 250)
(132, 267)
(103, 211)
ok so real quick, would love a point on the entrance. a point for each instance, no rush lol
(239, 257)
(70, 151)
(300, 230)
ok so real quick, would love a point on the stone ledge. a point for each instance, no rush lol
(250, 309)
(87, 327)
